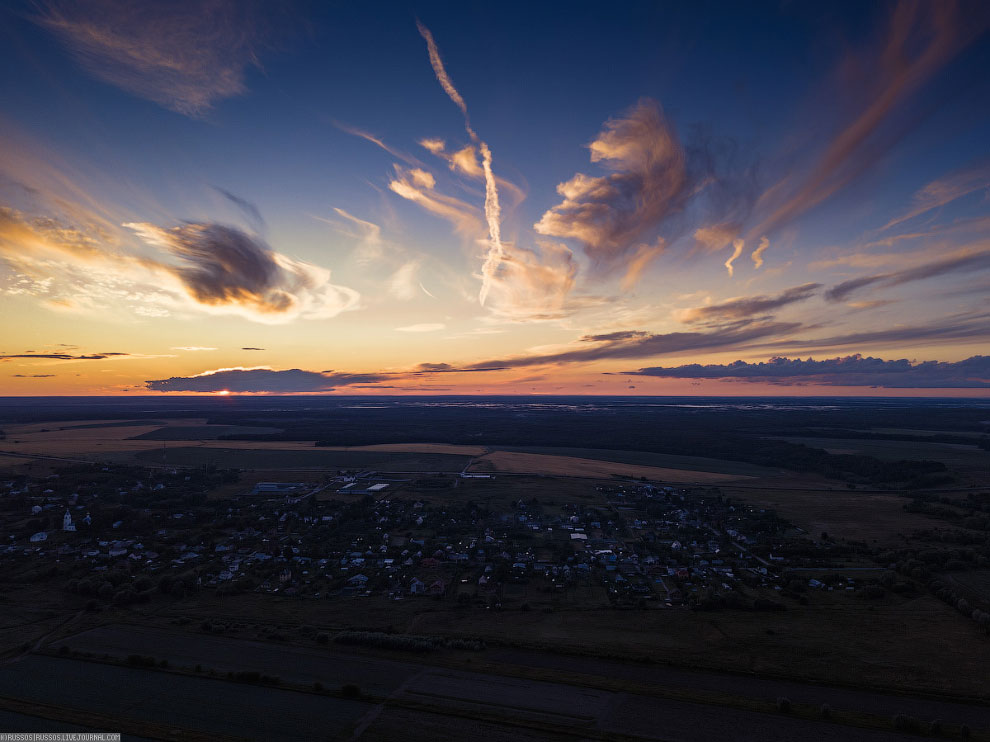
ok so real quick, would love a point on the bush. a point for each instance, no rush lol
(323, 638)
(904, 723)
(825, 711)
(784, 705)
(350, 690)
(318, 686)
(124, 597)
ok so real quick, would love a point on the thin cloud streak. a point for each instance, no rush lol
(748, 306)
(854, 370)
(967, 261)
(493, 211)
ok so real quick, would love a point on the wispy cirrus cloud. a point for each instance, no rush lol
(963, 326)
(944, 191)
(966, 260)
(854, 370)
(748, 306)
(920, 40)
(182, 56)
(417, 185)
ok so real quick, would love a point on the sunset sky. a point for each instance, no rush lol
(499, 198)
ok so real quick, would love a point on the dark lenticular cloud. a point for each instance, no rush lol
(262, 380)
(855, 370)
(64, 356)
(224, 267)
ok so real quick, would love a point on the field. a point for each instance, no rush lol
(535, 689)
(311, 458)
(963, 458)
(532, 463)
(647, 458)
(193, 442)
(234, 710)
(859, 516)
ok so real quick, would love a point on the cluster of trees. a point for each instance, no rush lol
(405, 642)
(116, 585)
(948, 595)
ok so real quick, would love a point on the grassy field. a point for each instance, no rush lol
(860, 516)
(570, 466)
(648, 458)
(524, 686)
(954, 455)
(201, 432)
(311, 458)
(898, 642)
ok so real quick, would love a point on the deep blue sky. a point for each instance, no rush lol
(756, 103)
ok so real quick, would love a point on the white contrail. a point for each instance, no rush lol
(758, 252)
(493, 211)
(737, 248)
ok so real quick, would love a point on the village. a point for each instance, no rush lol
(125, 534)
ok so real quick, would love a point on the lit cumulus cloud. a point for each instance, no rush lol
(533, 284)
(854, 370)
(417, 185)
(182, 56)
(648, 181)
(463, 161)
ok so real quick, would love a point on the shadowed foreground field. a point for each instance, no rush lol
(503, 694)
